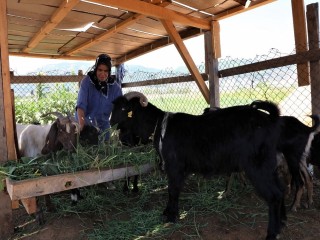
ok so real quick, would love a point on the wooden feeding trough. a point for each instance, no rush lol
(27, 190)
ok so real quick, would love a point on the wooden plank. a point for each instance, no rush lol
(300, 36)
(7, 128)
(55, 19)
(212, 52)
(45, 79)
(15, 204)
(53, 56)
(153, 82)
(156, 45)
(241, 9)
(6, 226)
(182, 49)
(303, 57)
(314, 43)
(46, 185)
(99, 10)
(3, 138)
(30, 204)
(152, 10)
(117, 28)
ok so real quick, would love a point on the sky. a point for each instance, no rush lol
(252, 33)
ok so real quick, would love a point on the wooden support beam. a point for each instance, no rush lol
(156, 45)
(314, 40)
(241, 9)
(116, 28)
(300, 36)
(30, 204)
(212, 53)
(15, 204)
(30, 188)
(155, 11)
(299, 58)
(7, 127)
(6, 222)
(182, 49)
(313, 36)
(3, 138)
(110, 32)
(60, 57)
(7, 150)
(45, 79)
(152, 82)
(63, 10)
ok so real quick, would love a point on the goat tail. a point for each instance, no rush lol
(267, 106)
(316, 123)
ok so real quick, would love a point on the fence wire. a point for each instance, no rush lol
(279, 85)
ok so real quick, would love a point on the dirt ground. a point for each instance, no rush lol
(247, 224)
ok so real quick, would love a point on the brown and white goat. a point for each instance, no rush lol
(63, 134)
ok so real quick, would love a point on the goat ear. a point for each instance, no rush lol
(50, 144)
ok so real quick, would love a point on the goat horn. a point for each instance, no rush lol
(142, 97)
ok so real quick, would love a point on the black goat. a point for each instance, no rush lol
(127, 138)
(130, 140)
(296, 141)
(294, 146)
(220, 142)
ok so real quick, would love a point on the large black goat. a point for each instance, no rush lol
(127, 138)
(296, 143)
(220, 142)
(294, 146)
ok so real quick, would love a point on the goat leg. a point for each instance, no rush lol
(135, 184)
(229, 181)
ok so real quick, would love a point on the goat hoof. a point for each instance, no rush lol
(294, 209)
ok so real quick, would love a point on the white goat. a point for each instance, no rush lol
(31, 139)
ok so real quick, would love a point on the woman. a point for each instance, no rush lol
(97, 91)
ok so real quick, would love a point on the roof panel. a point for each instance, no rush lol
(125, 30)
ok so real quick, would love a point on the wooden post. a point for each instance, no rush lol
(6, 223)
(5, 82)
(313, 36)
(7, 147)
(212, 53)
(300, 36)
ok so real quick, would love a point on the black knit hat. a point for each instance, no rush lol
(103, 59)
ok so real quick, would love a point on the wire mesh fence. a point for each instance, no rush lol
(279, 85)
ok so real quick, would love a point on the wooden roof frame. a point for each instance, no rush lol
(140, 9)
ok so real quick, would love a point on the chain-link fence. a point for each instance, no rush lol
(173, 91)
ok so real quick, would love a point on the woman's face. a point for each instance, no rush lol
(102, 72)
